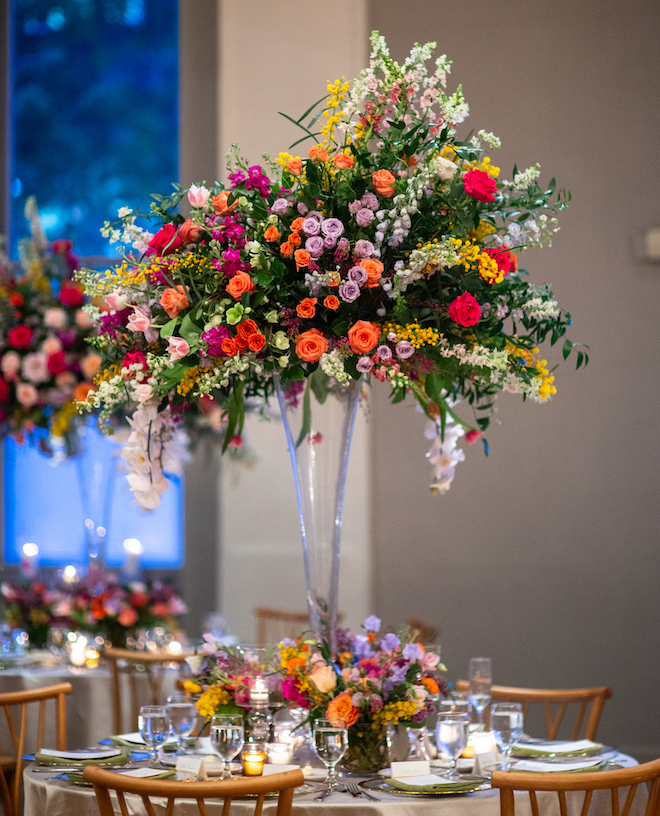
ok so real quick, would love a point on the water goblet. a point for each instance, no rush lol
(451, 734)
(154, 728)
(506, 722)
(457, 701)
(227, 738)
(480, 676)
(330, 744)
(183, 718)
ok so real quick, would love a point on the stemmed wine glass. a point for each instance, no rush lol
(457, 701)
(227, 737)
(154, 728)
(451, 734)
(183, 718)
(506, 721)
(330, 744)
(480, 676)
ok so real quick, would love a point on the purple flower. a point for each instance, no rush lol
(372, 624)
(279, 206)
(361, 647)
(315, 214)
(213, 339)
(390, 643)
(404, 349)
(384, 352)
(358, 275)
(397, 676)
(315, 246)
(311, 226)
(364, 217)
(364, 365)
(329, 243)
(302, 209)
(502, 311)
(258, 180)
(413, 652)
(342, 250)
(485, 309)
(363, 249)
(349, 291)
(369, 200)
(237, 178)
(354, 206)
(332, 228)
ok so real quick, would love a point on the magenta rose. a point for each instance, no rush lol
(166, 240)
(465, 310)
(19, 337)
(480, 185)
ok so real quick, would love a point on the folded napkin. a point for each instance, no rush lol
(132, 740)
(431, 783)
(559, 767)
(556, 748)
(118, 757)
(78, 779)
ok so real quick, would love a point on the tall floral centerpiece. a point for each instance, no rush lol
(390, 251)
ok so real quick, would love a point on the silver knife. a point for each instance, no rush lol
(324, 795)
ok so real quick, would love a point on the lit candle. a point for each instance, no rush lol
(70, 574)
(30, 561)
(91, 658)
(253, 761)
(280, 753)
(78, 655)
(284, 733)
(133, 549)
(258, 691)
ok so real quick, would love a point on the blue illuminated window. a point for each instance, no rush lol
(48, 503)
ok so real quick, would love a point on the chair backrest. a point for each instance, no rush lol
(275, 624)
(257, 786)
(420, 631)
(22, 699)
(134, 665)
(588, 782)
(555, 703)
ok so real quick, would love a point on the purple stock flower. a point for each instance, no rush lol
(311, 226)
(363, 249)
(413, 652)
(364, 217)
(279, 206)
(213, 339)
(390, 643)
(364, 365)
(358, 275)
(384, 352)
(237, 178)
(258, 180)
(315, 246)
(349, 291)
(404, 349)
(354, 206)
(369, 200)
(332, 228)
(109, 324)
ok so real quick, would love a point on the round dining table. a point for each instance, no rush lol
(45, 795)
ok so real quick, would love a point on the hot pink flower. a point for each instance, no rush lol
(472, 436)
(291, 692)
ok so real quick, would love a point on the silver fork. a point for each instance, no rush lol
(353, 788)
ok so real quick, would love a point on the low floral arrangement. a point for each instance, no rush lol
(111, 609)
(390, 251)
(376, 681)
(45, 361)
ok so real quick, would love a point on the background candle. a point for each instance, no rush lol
(30, 561)
(280, 753)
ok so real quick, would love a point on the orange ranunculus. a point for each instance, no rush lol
(241, 343)
(310, 345)
(331, 302)
(343, 161)
(272, 233)
(286, 249)
(82, 390)
(294, 166)
(302, 257)
(256, 341)
(431, 685)
(293, 663)
(374, 269)
(318, 154)
(363, 336)
(296, 224)
(306, 308)
(174, 301)
(240, 283)
(384, 183)
(246, 328)
(294, 239)
(229, 347)
(220, 203)
(341, 712)
(189, 231)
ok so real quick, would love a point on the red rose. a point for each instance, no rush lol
(134, 357)
(4, 391)
(16, 299)
(166, 240)
(62, 246)
(465, 310)
(20, 336)
(70, 295)
(506, 260)
(56, 363)
(479, 185)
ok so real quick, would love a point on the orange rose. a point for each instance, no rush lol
(294, 239)
(174, 301)
(81, 391)
(310, 345)
(296, 224)
(246, 328)
(294, 166)
(331, 302)
(189, 231)
(229, 347)
(363, 336)
(431, 685)
(286, 249)
(220, 203)
(341, 712)
(343, 161)
(272, 233)
(374, 269)
(384, 183)
(240, 283)
(302, 257)
(241, 343)
(306, 308)
(256, 341)
(127, 617)
(318, 154)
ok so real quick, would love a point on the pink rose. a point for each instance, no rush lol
(10, 365)
(177, 347)
(26, 394)
(479, 185)
(465, 310)
(138, 322)
(51, 345)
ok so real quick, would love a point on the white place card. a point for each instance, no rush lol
(81, 755)
(275, 769)
(484, 762)
(134, 736)
(401, 770)
(192, 766)
(142, 773)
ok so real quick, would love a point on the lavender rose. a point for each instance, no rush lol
(404, 349)
(329, 243)
(363, 249)
(354, 206)
(315, 214)
(311, 226)
(315, 246)
(332, 228)
(369, 200)
(358, 275)
(384, 352)
(364, 365)
(280, 206)
(364, 217)
(349, 291)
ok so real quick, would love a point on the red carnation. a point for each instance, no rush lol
(20, 336)
(56, 363)
(70, 295)
(166, 240)
(479, 185)
(465, 310)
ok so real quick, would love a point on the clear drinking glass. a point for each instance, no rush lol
(154, 728)
(227, 738)
(451, 734)
(480, 675)
(183, 718)
(330, 744)
(458, 701)
(506, 722)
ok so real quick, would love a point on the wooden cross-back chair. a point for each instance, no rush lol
(257, 786)
(615, 781)
(422, 632)
(14, 764)
(133, 664)
(275, 624)
(590, 701)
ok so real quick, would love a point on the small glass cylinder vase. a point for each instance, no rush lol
(319, 416)
(367, 750)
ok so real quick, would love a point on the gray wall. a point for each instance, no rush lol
(545, 555)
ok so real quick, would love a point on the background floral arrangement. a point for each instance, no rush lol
(45, 361)
(390, 251)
